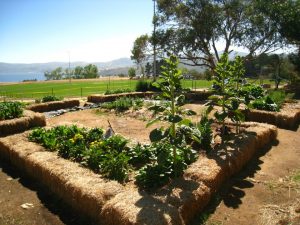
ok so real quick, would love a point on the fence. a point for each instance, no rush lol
(77, 88)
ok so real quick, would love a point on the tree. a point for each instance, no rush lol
(139, 51)
(56, 74)
(90, 71)
(191, 29)
(131, 72)
(78, 72)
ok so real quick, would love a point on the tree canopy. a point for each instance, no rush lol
(191, 29)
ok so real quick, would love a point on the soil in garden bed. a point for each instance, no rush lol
(130, 124)
(258, 193)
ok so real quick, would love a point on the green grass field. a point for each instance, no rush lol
(79, 88)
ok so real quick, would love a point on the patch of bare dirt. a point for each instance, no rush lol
(264, 192)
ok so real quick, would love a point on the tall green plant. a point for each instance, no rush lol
(170, 110)
(228, 82)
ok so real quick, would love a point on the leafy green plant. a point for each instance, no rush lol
(144, 85)
(10, 110)
(169, 154)
(227, 79)
(123, 104)
(117, 91)
(88, 147)
(161, 167)
(265, 103)
(51, 98)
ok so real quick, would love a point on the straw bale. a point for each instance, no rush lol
(111, 203)
(29, 120)
(52, 106)
(198, 95)
(137, 207)
(78, 186)
(109, 98)
(288, 117)
(206, 170)
(187, 195)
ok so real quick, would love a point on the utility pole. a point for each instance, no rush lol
(154, 40)
(69, 67)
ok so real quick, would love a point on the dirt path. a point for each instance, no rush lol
(262, 194)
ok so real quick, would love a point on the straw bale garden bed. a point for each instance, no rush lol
(14, 119)
(163, 164)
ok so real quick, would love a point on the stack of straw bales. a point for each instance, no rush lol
(27, 121)
(52, 106)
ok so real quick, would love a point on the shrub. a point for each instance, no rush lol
(51, 98)
(117, 91)
(265, 103)
(123, 104)
(144, 85)
(10, 110)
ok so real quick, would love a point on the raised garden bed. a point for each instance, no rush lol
(17, 125)
(55, 105)
(192, 96)
(113, 97)
(198, 95)
(109, 202)
(288, 117)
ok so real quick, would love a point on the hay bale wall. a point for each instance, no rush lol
(108, 202)
(113, 97)
(180, 201)
(52, 106)
(84, 190)
(18, 125)
(198, 95)
(287, 118)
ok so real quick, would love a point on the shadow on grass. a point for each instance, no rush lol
(231, 192)
(51, 202)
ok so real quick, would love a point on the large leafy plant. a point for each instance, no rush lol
(227, 82)
(10, 110)
(168, 153)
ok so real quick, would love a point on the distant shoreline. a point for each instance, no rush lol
(65, 80)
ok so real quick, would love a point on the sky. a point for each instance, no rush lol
(38, 31)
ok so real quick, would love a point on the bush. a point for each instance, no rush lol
(118, 91)
(144, 85)
(265, 104)
(51, 98)
(123, 104)
(10, 110)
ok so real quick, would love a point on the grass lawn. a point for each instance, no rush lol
(78, 88)
(82, 88)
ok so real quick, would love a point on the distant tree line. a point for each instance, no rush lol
(79, 72)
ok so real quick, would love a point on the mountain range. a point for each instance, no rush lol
(104, 67)
(113, 67)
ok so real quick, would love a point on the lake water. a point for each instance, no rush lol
(18, 77)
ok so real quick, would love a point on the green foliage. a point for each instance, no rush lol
(131, 72)
(251, 92)
(227, 80)
(123, 104)
(170, 154)
(161, 168)
(88, 147)
(51, 98)
(265, 103)
(10, 110)
(144, 85)
(278, 97)
(117, 91)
